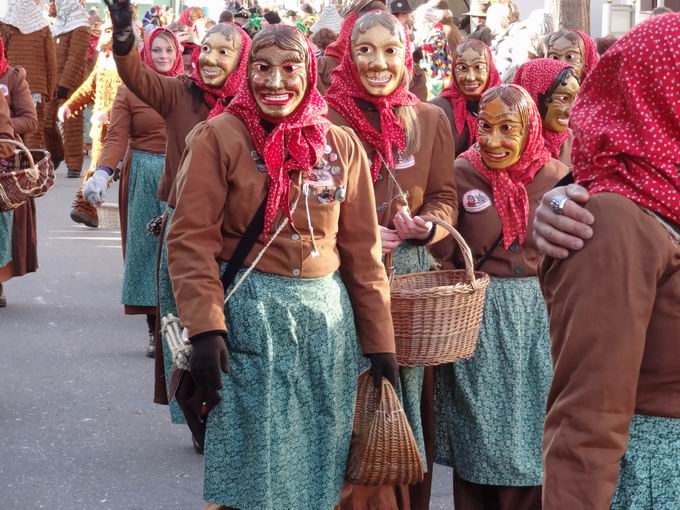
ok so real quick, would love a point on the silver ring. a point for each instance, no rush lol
(557, 204)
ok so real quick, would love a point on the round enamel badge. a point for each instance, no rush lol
(475, 201)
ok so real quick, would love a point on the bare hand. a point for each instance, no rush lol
(411, 228)
(64, 113)
(555, 234)
(389, 238)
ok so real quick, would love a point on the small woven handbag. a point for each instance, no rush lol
(22, 178)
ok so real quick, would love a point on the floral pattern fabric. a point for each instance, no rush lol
(6, 223)
(490, 409)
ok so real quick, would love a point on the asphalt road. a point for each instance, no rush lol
(78, 428)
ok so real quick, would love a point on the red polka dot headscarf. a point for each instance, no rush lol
(626, 120)
(178, 66)
(4, 65)
(537, 77)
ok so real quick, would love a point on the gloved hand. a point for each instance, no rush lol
(96, 186)
(384, 364)
(121, 19)
(61, 93)
(209, 355)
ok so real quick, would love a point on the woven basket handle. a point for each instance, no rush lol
(33, 169)
(464, 248)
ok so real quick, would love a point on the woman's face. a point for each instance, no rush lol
(501, 135)
(379, 59)
(559, 106)
(471, 72)
(566, 51)
(218, 58)
(162, 54)
(278, 80)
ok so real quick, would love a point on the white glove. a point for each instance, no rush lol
(96, 186)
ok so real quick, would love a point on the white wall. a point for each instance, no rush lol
(526, 6)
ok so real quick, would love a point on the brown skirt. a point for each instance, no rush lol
(24, 243)
(472, 496)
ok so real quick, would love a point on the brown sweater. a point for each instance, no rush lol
(6, 131)
(219, 191)
(480, 225)
(71, 64)
(429, 182)
(614, 321)
(22, 110)
(172, 98)
(36, 53)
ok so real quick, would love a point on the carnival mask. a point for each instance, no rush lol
(501, 134)
(569, 52)
(379, 59)
(471, 72)
(278, 80)
(218, 58)
(559, 105)
(162, 54)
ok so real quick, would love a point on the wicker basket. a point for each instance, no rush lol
(108, 216)
(22, 178)
(437, 314)
(383, 449)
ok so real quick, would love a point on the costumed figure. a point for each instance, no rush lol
(71, 31)
(29, 44)
(613, 424)
(277, 365)
(6, 131)
(136, 137)
(553, 86)
(489, 409)
(474, 73)
(99, 90)
(219, 67)
(18, 233)
(576, 48)
(410, 147)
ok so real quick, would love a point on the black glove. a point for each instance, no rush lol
(121, 20)
(61, 93)
(383, 364)
(209, 355)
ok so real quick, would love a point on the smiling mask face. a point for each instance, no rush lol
(569, 52)
(501, 134)
(218, 58)
(278, 80)
(471, 72)
(379, 56)
(559, 105)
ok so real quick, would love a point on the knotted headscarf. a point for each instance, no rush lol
(508, 185)
(25, 15)
(214, 98)
(537, 76)
(177, 66)
(346, 88)
(459, 100)
(627, 119)
(70, 15)
(591, 56)
(297, 141)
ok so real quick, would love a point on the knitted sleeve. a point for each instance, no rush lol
(84, 95)
(50, 62)
(75, 61)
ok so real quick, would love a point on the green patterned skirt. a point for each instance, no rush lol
(139, 278)
(166, 303)
(650, 469)
(6, 223)
(280, 437)
(490, 409)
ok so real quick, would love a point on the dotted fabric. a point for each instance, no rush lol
(4, 65)
(297, 141)
(537, 76)
(213, 97)
(509, 184)
(178, 66)
(459, 100)
(626, 120)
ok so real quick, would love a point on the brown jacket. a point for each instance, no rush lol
(429, 183)
(173, 99)
(36, 53)
(6, 131)
(615, 322)
(23, 115)
(219, 190)
(480, 225)
(71, 64)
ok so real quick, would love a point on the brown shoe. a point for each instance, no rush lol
(3, 299)
(84, 212)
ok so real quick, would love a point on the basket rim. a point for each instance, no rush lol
(481, 282)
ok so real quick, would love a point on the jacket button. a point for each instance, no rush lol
(514, 247)
(295, 237)
(519, 270)
(296, 272)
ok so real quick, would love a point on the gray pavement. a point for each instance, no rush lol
(78, 429)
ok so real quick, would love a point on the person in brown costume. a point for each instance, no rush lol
(71, 32)
(99, 90)
(18, 248)
(6, 130)
(29, 44)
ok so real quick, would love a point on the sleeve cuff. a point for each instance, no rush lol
(198, 337)
(423, 242)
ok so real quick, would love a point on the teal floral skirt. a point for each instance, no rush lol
(490, 409)
(650, 469)
(166, 304)
(6, 223)
(139, 277)
(280, 437)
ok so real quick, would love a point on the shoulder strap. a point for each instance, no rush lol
(480, 261)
